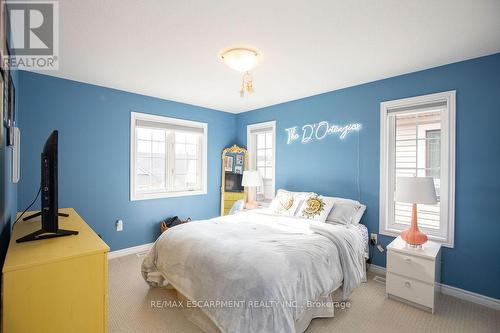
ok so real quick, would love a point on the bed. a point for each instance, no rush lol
(258, 272)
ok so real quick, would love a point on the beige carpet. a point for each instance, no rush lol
(370, 311)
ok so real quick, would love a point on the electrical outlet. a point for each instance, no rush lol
(119, 225)
(373, 237)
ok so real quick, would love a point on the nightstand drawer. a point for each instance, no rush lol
(411, 266)
(410, 289)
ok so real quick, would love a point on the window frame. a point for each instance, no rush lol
(251, 145)
(387, 227)
(134, 196)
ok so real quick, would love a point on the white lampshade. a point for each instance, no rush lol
(240, 59)
(252, 179)
(419, 190)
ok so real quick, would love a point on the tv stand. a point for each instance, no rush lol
(32, 216)
(42, 234)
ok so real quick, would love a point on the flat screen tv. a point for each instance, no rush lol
(233, 182)
(49, 200)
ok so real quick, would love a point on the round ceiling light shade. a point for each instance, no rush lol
(240, 59)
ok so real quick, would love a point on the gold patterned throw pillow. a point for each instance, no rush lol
(316, 207)
(286, 203)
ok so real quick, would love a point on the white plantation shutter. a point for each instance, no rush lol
(417, 139)
(168, 126)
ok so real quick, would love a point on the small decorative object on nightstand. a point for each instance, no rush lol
(412, 273)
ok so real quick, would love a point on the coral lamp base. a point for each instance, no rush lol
(413, 236)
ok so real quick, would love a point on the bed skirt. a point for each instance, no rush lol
(200, 319)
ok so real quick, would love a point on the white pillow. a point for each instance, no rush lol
(286, 202)
(315, 207)
(346, 211)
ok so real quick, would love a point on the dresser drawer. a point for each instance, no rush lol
(228, 204)
(410, 289)
(411, 266)
(234, 195)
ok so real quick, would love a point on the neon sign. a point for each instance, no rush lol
(320, 131)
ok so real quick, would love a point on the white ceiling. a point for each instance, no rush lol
(169, 48)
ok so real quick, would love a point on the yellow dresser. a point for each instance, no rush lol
(58, 284)
(230, 198)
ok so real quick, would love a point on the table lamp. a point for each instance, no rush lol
(415, 190)
(251, 179)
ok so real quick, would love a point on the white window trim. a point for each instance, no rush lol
(448, 124)
(175, 121)
(258, 126)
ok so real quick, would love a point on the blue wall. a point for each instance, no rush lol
(330, 166)
(8, 190)
(94, 156)
(94, 141)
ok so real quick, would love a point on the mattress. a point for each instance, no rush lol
(364, 233)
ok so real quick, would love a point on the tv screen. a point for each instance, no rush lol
(50, 221)
(233, 182)
(48, 189)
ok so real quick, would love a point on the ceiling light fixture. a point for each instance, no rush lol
(241, 59)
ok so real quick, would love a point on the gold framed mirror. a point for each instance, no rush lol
(234, 162)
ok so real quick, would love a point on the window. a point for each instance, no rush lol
(261, 148)
(433, 153)
(168, 157)
(417, 138)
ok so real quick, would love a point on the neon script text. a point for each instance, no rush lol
(319, 131)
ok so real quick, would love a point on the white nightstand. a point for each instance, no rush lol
(412, 273)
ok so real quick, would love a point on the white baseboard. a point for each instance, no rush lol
(470, 296)
(465, 295)
(379, 270)
(129, 250)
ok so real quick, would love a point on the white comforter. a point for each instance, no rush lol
(256, 272)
